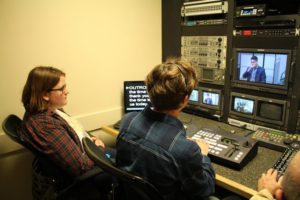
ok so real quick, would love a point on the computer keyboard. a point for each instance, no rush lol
(284, 160)
(230, 150)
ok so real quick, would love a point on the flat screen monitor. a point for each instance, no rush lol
(261, 68)
(242, 105)
(194, 97)
(136, 96)
(210, 98)
(271, 111)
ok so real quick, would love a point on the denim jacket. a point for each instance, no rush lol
(153, 145)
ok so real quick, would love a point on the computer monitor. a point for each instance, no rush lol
(262, 69)
(242, 105)
(136, 96)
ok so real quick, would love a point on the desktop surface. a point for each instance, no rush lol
(243, 181)
(249, 175)
(251, 172)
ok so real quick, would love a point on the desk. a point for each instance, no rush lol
(242, 182)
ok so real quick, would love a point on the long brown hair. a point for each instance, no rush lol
(41, 79)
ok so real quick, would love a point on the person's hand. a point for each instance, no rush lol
(98, 142)
(249, 69)
(268, 181)
(202, 144)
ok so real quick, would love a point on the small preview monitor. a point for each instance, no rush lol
(194, 97)
(210, 98)
(271, 111)
(136, 96)
(242, 105)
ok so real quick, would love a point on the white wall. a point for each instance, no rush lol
(98, 43)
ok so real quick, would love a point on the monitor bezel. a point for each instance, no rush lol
(206, 89)
(275, 101)
(243, 96)
(260, 86)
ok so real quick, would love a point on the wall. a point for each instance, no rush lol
(98, 43)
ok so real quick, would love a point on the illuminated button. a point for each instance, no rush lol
(222, 146)
(211, 143)
(295, 137)
(247, 33)
(217, 148)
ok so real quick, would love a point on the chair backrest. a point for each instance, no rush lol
(10, 126)
(49, 180)
(132, 186)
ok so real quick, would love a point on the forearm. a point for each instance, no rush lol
(263, 195)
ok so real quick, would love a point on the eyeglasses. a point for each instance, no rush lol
(62, 89)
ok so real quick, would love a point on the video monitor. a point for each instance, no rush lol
(136, 96)
(210, 100)
(261, 68)
(242, 105)
(194, 97)
(271, 111)
(210, 97)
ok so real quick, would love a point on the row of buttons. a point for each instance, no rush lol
(215, 146)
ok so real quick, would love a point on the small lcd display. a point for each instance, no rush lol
(249, 11)
(194, 97)
(210, 98)
(208, 74)
(243, 105)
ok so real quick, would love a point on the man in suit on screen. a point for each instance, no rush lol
(255, 73)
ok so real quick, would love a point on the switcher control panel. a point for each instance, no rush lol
(230, 150)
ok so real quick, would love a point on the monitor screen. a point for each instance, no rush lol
(243, 105)
(270, 111)
(136, 96)
(263, 66)
(210, 98)
(194, 97)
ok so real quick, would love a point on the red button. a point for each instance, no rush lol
(247, 32)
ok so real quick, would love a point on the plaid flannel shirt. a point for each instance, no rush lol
(52, 136)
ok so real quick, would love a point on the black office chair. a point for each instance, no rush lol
(47, 183)
(127, 186)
